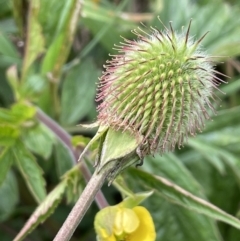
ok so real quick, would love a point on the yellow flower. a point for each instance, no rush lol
(118, 223)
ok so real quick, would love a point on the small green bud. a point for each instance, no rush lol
(158, 88)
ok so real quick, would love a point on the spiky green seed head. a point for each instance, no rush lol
(158, 87)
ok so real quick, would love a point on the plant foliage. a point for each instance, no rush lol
(51, 55)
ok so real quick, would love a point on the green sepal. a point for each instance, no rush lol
(101, 132)
(120, 184)
(117, 151)
(133, 201)
(117, 145)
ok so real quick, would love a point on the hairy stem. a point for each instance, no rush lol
(65, 138)
(82, 205)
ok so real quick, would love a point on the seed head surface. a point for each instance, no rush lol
(159, 87)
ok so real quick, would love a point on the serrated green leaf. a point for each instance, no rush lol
(223, 156)
(170, 166)
(39, 140)
(228, 117)
(23, 112)
(178, 195)
(30, 170)
(231, 161)
(43, 211)
(173, 222)
(78, 92)
(179, 224)
(8, 134)
(75, 182)
(60, 46)
(18, 114)
(6, 160)
(7, 117)
(200, 169)
(222, 137)
(9, 196)
(221, 190)
(209, 152)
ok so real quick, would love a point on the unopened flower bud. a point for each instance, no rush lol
(158, 88)
(152, 95)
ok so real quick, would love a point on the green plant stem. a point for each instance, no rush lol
(65, 138)
(82, 205)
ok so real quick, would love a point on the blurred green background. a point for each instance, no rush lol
(51, 55)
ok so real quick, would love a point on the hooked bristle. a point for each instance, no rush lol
(158, 87)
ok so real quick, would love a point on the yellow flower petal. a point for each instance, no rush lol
(146, 229)
(104, 236)
(126, 221)
(118, 223)
(103, 223)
